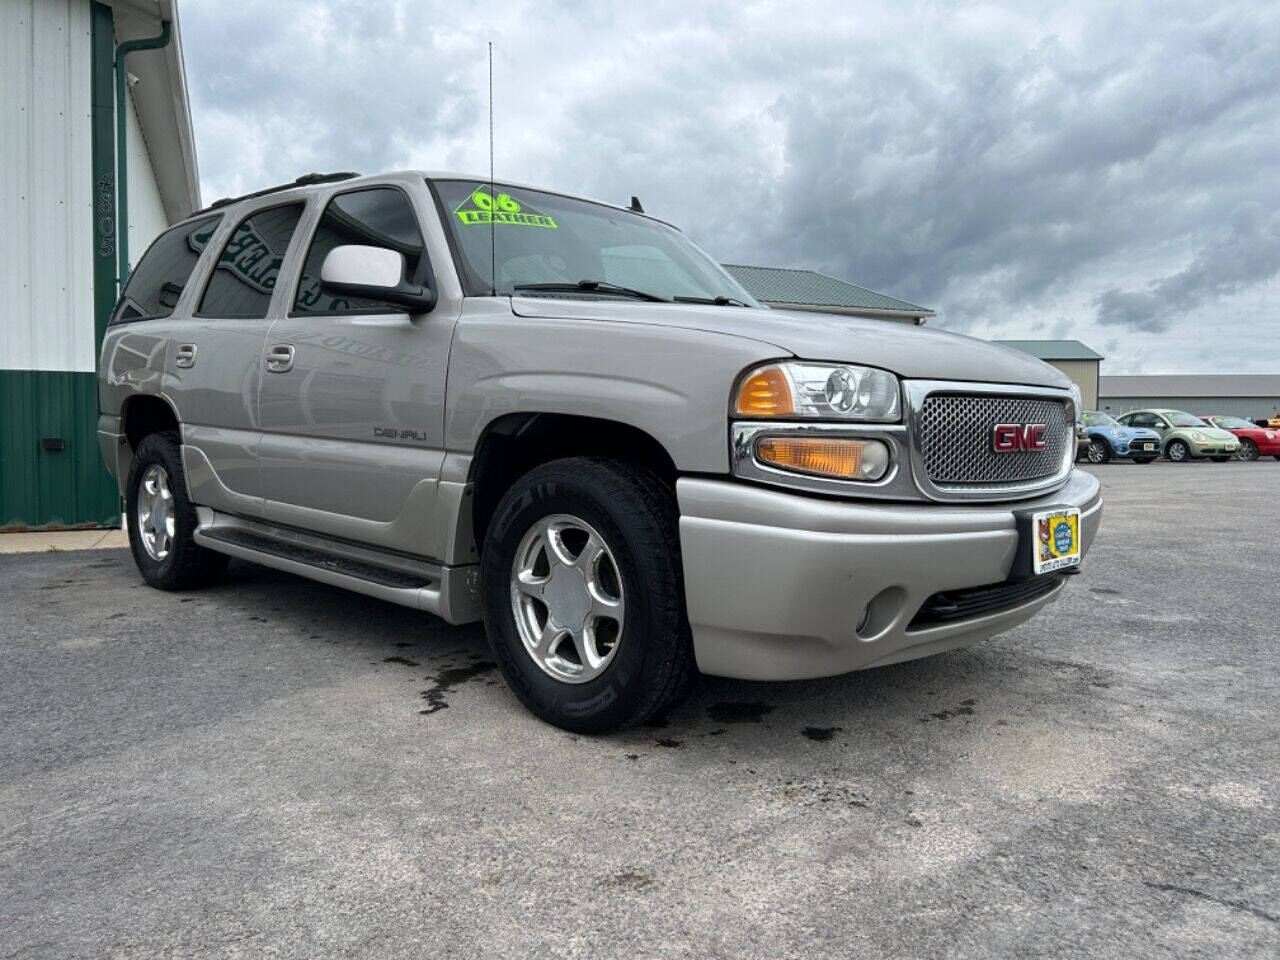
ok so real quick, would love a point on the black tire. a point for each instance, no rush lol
(1178, 451)
(1222, 459)
(1143, 459)
(1098, 451)
(187, 564)
(653, 665)
(1248, 450)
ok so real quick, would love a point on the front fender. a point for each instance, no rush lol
(673, 384)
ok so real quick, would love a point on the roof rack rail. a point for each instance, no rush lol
(306, 180)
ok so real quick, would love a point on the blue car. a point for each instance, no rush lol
(1108, 439)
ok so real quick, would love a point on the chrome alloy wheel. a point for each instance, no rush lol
(567, 598)
(1095, 452)
(155, 512)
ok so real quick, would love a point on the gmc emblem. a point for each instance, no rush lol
(1012, 437)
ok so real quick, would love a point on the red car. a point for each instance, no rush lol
(1255, 441)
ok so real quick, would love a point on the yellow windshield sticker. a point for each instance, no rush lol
(482, 207)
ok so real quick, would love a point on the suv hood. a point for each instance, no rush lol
(914, 353)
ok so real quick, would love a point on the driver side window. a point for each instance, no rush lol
(376, 217)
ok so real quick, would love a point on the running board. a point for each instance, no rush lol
(451, 593)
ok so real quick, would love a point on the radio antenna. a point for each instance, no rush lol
(493, 197)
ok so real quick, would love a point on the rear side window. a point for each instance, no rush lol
(157, 282)
(378, 217)
(249, 265)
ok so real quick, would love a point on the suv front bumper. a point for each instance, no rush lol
(785, 587)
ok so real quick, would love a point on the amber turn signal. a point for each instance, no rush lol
(764, 393)
(839, 458)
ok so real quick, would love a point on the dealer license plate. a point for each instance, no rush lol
(1148, 447)
(1055, 540)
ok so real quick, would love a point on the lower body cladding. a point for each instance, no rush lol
(787, 587)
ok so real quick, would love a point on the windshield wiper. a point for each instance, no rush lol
(591, 286)
(717, 301)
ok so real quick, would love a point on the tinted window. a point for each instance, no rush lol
(521, 237)
(249, 264)
(380, 217)
(155, 285)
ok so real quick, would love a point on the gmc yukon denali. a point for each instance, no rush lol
(491, 402)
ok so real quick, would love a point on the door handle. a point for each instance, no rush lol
(185, 355)
(280, 358)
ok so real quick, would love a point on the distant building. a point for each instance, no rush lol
(1071, 357)
(67, 226)
(788, 289)
(1228, 394)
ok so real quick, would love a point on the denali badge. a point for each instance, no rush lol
(1012, 437)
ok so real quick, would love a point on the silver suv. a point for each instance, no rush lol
(488, 401)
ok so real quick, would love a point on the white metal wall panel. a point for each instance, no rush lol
(46, 245)
(146, 210)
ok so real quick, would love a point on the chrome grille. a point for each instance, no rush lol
(954, 434)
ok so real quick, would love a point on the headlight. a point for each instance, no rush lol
(1197, 436)
(819, 391)
(1118, 434)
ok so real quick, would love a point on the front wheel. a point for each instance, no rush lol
(162, 521)
(1098, 451)
(584, 598)
(1177, 451)
(1248, 450)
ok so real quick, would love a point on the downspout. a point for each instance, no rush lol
(122, 162)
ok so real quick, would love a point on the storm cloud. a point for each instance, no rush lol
(1103, 171)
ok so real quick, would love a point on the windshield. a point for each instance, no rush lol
(1100, 420)
(1231, 423)
(539, 238)
(1180, 419)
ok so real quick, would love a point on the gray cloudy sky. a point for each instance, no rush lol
(1100, 170)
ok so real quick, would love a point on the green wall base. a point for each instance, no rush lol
(42, 487)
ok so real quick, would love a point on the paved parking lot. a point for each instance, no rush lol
(274, 768)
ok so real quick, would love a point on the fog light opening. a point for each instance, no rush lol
(880, 615)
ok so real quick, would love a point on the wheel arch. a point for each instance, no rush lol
(513, 444)
(142, 414)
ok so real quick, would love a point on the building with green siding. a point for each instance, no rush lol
(61, 206)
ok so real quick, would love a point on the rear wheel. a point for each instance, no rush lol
(1177, 451)
(1248, 450)
(162, 521)
(584, 598)
(1098, 451)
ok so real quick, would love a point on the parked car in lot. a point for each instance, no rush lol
(1185, 437)
(1108, 439)
(1272, 422)
(1255, 441)
(561, 417)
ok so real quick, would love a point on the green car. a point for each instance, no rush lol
(1184, 436)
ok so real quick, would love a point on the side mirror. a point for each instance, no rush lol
(374, 273)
